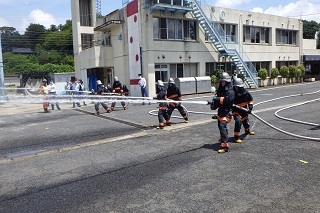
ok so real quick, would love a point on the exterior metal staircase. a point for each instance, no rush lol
(224, 44)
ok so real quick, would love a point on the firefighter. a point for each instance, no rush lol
(242, 99)
(101, 91)
(163, 106)
(173, 93)
(223, 102)
(117, 88)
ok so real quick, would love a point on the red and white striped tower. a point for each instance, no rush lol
(134, 45)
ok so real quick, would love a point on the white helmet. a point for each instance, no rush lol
(238, 83)
(160, 83)
(99, 82)
(225, 77)
(116, 78)
(171, 81)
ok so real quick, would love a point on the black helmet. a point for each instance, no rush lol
(225, 77)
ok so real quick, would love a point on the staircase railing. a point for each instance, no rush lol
(224, 43)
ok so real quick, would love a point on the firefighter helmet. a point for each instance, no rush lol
(99, 82)
(171, 81)
(116, 78)
(225, 77)
(238, 83)
(160, 83)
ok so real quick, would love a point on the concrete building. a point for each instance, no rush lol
(178, 38)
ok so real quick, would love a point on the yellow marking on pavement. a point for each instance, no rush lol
(305, 162)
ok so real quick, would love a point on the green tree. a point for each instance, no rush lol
(292, 71)
(263, 74)
(310, 28)
(302, 69)
(274, 73)
(10, 38)
(34, 35)
(284, 71)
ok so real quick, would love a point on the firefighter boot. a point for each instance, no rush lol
(224, 147)
(161, 126)
(248, 132)
(237, 139)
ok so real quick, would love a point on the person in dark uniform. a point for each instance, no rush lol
(163, 106)
(242, 99)
(101, 91)
(223, 102)
(173, 93)
(117, 88)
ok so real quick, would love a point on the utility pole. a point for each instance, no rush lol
(2, 91)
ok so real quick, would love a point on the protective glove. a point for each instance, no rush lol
(250, 108)
(209, 102)
(216, 99)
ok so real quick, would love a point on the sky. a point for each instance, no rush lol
(20, 13)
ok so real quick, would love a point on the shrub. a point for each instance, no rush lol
(298, 73)
(302, 69)
(292, 71)
(274, 73)
(219, 74)
(284, 71)
(263, 74)
(214, 79)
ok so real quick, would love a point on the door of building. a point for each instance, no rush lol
(162, 72)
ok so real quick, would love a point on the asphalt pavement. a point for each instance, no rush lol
(129, 166)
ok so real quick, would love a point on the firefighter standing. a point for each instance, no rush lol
(117, 88)
(173, 93)
(163, 106)
(223, 102)
(101, 91)
(242, 99)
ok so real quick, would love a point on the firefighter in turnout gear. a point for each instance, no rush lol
(242, 99)
(101, 91)
(173, 93)
(163, 106)
(223, 102)
(117, 88)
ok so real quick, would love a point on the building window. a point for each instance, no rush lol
(86, 41)
(189, 30)
(180, 71)
(255, 35)
(85, 13)
(261, 65)
(173, 2)
(286, 37)
(228, 33)
(174, 29)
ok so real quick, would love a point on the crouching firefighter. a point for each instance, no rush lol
(223, 102)
(101, 91)
(174, 93)
(163, 106)
(117, 88)
(242, 99)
